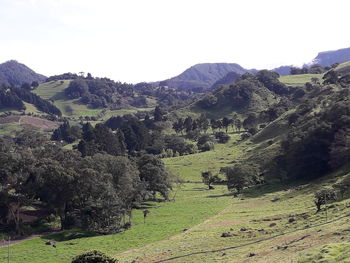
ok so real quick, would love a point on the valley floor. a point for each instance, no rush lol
(270, 223)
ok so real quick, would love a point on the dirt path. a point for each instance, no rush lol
(4, 243)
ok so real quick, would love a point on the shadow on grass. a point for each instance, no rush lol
(69, 235)
(263, 189)
(196, 189)
(222, 195)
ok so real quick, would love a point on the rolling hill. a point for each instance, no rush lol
(15, 73)
(203, 76)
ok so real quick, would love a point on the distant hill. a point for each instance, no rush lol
(328, 58)
(282, 70)
(203, 76)
(14, 73)
(229, 78)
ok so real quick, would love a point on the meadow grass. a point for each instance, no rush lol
(165, 219)
(299, 80)
(190, 167)
(198, 217)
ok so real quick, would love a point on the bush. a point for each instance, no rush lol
(93, 256)
(206, 147)
(222, 137)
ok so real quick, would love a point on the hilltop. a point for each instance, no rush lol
(203, 76)
(15, 73)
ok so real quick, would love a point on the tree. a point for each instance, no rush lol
(323, 196)
(35, 84)
(154, 175)
(208, 178)
(250, 121)
(240, 176)
(158, 114)
(178, 125)
(238, 124)
(188, 124)
(226, 123)
(203, 123)
(94, 256)
(331, 77)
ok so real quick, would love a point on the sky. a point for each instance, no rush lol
(150, 40)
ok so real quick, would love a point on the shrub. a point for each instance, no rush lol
(222, 137)
(93, 256)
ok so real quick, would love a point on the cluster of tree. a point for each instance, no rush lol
(98, 92)
(67, 133)
(202, 124)
(63, 76)
(96, 192)
(313, 69)
(9, 99)
(13, 97)
(241, 176)
(167, 97)
(334, 77)
(250, 92)
(317, 143)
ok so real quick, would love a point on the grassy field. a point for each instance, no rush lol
(189, 167)
(299, 80)
(190, 229)
(166, 219)
(54, 91)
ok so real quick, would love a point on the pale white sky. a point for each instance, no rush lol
(149, 40)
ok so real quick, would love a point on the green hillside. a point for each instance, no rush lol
(191, 227)
(54, 91)
(299, 80)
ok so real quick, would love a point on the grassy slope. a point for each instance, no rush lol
(299, 80)
(54, 90)
(343, 68)
(208, 214)
(189, 167)
(165, 219)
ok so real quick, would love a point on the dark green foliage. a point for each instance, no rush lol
(66, 133)
(101, 140)
(323, 197)
(93, 256)
(208, 178)
(158, 114)
(32, 98)
(222, 137)
(154, 175)
(14, 73)
(250, 122)
(64, 76)
(99, 92)
(331, 77)
(77, 88)
(9, 99)
(178, 145)
(270, 80)
(95, 193)
(240, 176)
